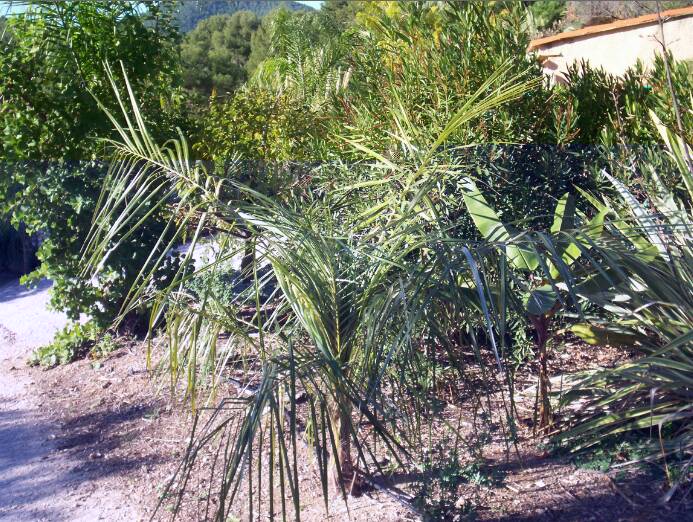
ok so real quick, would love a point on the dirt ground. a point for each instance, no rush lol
(38, 480)
(129, 436)
(100, 440)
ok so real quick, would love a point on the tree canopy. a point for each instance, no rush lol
(54, 90)
(215, 53)
(191, 12)
(341, 12)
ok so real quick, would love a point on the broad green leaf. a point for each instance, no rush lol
(541, 300)
(563, 217)
(492, 228)
(598, 336)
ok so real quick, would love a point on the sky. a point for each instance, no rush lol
(314, 3)
(5, 7)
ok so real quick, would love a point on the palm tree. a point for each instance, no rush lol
(645, 283)
(355, 293)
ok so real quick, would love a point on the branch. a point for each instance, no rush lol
(670, 83)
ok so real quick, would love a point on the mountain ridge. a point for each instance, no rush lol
(191, 12)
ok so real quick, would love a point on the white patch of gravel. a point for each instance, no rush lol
(37, 481)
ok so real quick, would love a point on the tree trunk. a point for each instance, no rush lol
(342, 468)
(248, 258)
(541, 327)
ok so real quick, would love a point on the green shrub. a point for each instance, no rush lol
(50, 124)
(255, 124)
(105, 345)
(424, 60)
(546, 13)
(612, 110)
(69, 343)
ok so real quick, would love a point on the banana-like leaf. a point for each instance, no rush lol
(600, 336)
(541, 300)
(492, 228)
(564, 214)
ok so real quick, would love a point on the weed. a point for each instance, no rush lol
(67, 345)
(443, 474)
(611, 453)
(104, 346)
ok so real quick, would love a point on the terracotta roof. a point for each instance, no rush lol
(614, 26)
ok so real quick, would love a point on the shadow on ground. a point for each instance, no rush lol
(83, 455)
(100, 439)
(537, 489)
(10, 289)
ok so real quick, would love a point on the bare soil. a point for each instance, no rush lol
(127, 433)
(107, 436)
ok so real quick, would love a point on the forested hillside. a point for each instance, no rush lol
(214, 54)
(191, 12)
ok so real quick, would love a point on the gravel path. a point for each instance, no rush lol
(38, 482)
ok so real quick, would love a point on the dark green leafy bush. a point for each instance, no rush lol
(546, 13)
(611, 110)
(50, 125)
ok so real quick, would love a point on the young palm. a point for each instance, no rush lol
(354, 291)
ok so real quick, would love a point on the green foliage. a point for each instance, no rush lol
(437, 494)
(69, 343)
(649, 299)
(283, 33)
(189, 13)
(215, 53)
(592, 96)
(261, 41)
(612, 452)
(341, 13)
(255, 124)
(50, 122)
(611, 110)
(357, 300)
(409, 243)
(406, 71)
(104, 346)
(425, 60)
(546, 13)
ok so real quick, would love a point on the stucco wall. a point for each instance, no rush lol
(618, 50)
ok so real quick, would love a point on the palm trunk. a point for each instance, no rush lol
(342, 466)
(248, 258)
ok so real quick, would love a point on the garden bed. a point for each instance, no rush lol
(130, 436)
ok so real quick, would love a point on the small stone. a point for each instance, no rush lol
(95, 455)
